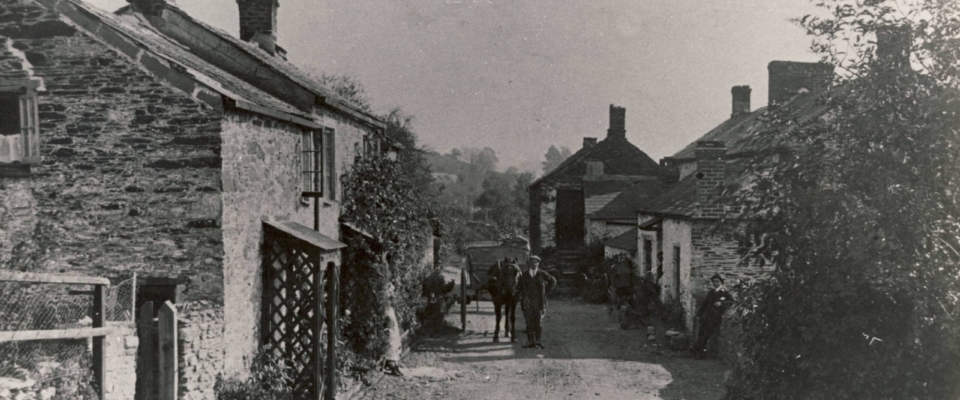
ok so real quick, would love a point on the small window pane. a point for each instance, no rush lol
(317, 161)
(330, 167)
(9, 116)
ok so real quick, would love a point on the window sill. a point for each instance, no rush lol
(305, 201)
(16, 170)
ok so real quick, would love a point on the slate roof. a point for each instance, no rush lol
(678, 201)
(129, 30)
(624, 241)
(743, 135)
(620, 157)
(631, 199)
(280, 65)
(750, 132)
(597, 188)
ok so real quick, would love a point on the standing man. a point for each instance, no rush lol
(710, 313)
(532, 288)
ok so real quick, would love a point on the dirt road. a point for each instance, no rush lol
(586, 356)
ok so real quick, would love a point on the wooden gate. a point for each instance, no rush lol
(296, 289)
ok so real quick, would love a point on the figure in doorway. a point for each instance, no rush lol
(710, 314)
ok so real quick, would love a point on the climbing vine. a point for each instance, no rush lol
(394, 229)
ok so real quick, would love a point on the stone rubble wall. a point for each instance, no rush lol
(262, 178)
(121, 353)
(201, 346)
(129, 178)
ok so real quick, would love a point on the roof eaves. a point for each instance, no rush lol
(566, 163)
(327, 98)
(203, 82)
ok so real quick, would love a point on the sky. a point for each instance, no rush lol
(520, 75)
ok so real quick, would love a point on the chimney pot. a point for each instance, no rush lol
(710, 175)
(741, 100)
(787, 79)
(618, 118)
(588, 142)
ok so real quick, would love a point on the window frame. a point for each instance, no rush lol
(329, 161)
(25, 93)
(311, 161)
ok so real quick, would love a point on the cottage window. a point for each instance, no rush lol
(594, 168)
(19, 129)
(371, 145)
(330, 167)
(312, 161)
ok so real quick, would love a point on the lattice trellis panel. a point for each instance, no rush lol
(294, 310)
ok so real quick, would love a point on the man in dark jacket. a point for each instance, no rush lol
(710, 314)
(532, 288)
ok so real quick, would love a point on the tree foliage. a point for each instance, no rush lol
(861, 218)
(384, 201)
(554, 158)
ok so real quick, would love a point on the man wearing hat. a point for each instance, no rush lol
(532, 289)
(710, 314)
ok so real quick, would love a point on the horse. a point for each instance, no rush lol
(504, 277)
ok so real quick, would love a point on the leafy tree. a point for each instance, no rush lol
(554, 158)
(861, 218)
(347, 87)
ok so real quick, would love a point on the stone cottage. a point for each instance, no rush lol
(584, 183)
(679, 239)
(147, 141)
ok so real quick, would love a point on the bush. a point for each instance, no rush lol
(861, 219)
(270, 379)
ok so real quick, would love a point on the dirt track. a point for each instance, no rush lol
(586, 356)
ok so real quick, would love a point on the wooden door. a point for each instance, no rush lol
(570, 219)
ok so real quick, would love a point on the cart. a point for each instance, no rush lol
(478, 260)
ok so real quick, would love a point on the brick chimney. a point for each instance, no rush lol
(258, 23)
(588, 142)
(618, 121)
(669, 171)
(741, 100)
(710, 175)
(893, 46)
(150, 7)
(787, 79)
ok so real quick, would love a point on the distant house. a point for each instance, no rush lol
(679, 239)
(593, 176)
(147, 141)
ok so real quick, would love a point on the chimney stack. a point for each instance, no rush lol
(618, 120)
(669, 171)
(787, 79)
(152, 8)
(588, 142)
(741, 100)
(258, 23)
(893, 46)
(710, 175)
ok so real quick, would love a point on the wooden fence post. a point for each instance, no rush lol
(146, 353)
(318, 322)
(463, 300)
(167, 333)
(332, 310)
(99, 356)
